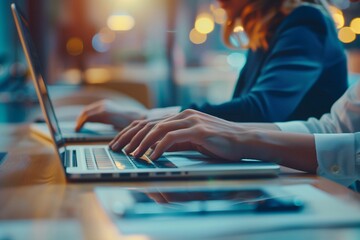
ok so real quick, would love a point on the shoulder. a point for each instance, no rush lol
(353, 93)
(309, 17)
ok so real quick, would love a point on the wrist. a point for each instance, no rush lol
(254, 142)
(260, 144)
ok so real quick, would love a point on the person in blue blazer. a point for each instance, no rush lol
(296, 67)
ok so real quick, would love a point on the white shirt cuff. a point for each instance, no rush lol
(156, 113)
(293, 126)
(336, 157)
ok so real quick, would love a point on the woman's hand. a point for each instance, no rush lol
(106, 111)
(188, 130)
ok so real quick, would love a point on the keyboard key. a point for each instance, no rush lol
(66, 158)
(74, 159)
(103, 162)
(119, 156)
(90, 164)
(121, 161)
(123, 165)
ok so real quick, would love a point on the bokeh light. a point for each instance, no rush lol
(219, 15)
(97, 75)
(75, 46)
(338, 16)
(339, 20)
(204, 23)
(197, 37)
(99, 45)
(121, 22)
(236, 60)
(346, 35)
(355, 25)
(334, 9)
(238, 29)
(213, 7)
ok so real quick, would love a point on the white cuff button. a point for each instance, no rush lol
(335, 169)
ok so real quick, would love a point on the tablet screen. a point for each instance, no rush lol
(208, 201)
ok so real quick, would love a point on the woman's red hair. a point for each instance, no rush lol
(259, 19)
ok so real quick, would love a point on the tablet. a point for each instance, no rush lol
(153, 202)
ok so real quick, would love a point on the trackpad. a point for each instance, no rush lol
(186, 159)
(184, 162)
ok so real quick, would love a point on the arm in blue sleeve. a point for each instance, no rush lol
(292, 67)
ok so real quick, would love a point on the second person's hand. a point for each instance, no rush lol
(106, 111)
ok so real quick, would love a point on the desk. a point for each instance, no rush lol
(33, 187)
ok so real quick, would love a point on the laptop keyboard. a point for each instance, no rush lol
(103, 159)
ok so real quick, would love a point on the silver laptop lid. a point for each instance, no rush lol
(39, 83)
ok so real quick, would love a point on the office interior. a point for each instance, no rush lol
(151, 53)
(161, 53)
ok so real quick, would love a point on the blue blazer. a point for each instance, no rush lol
(301, 75)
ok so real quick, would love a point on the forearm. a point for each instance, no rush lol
(288, 149)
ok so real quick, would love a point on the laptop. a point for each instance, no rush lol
(98, 162)
(92, 132)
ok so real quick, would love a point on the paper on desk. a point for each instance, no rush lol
(321, 210)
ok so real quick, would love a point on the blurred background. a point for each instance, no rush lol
(159, 52)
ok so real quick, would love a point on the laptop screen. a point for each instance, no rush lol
(40, 85)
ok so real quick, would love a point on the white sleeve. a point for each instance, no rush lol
(343, 118)
(338, 157)
(293, 126)
(156, 113)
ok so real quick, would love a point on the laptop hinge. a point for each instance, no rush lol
(65, 157)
